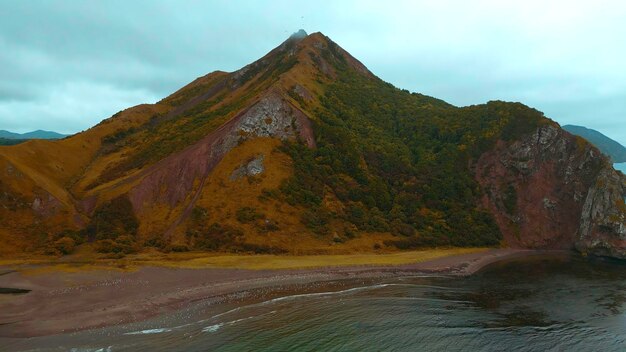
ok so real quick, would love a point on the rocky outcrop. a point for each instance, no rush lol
(250, 168)
(603, 220)
(178, 179)
(553, 190)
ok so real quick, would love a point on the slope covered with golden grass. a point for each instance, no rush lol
(305, 151)
(52, 188)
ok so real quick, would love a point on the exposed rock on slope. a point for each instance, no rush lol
(553, 190)
(253, 167)
(173, 182)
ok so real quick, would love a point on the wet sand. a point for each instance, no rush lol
(62, 302)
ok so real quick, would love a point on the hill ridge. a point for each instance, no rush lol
(36, 134)
(608, 146)
(306, 151)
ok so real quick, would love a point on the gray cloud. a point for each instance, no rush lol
(65, 65)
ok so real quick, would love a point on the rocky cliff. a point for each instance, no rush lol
(602, 228)
(552, 190)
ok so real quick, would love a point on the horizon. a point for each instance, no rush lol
(67, 66)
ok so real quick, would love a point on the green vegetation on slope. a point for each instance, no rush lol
(400, 162)
(113, 226)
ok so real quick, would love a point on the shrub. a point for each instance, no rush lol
(215, 237)
(179, 248)
(248, 214)
(350, 231)
(51, 250)
(425, 240)
(75, 235)
(122, 245)
(155, 241)
(400, 228)
(198, 214)
(316, 220)
(107, 246)
(65, 245)
(113, 219)
(267, 194)
(268, 225)
(258, 249)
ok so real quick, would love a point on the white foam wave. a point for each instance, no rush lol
(327, 293)
(214, 328)
(149, 331)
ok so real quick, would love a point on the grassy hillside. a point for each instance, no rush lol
(388, 169)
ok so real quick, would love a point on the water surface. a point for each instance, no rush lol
(530, 305)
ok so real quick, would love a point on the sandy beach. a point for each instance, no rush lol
(62, 301)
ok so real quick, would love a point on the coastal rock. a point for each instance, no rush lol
(603, 221)
(552, 190)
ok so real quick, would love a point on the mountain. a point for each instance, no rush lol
(609, 147)
(307, 151)
(9, 141)
(38, 134)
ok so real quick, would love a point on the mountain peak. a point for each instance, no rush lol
(300, 34)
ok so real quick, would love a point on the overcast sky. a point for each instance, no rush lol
(66, 65)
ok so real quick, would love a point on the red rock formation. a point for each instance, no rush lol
(544, 191)
(173, 180)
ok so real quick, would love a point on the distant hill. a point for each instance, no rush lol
(613, 149)
(39, 134)
(10, 141)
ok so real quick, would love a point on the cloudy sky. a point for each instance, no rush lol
(66, 65)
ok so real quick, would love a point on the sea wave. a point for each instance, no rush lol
(149, 331)
(102, 349)
(217, 326)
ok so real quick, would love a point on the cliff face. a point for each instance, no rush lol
(603, 220)
(552, 190)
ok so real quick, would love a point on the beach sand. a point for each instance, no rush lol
(63, 301)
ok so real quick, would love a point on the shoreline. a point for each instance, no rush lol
(64, 302)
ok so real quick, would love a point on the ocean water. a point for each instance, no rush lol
(529, 305)
(620, 166)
